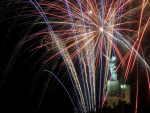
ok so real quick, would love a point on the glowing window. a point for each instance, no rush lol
(123, 86)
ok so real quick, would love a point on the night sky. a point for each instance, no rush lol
(24, 87)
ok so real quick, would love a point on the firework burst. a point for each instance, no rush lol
(89, 32)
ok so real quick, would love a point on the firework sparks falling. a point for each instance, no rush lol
(88, 30)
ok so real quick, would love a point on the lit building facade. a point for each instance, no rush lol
(116, 92)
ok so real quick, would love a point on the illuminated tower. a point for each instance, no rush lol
(114, 95)
(112, 86)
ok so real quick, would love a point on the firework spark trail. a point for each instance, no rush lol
(77, 47)
(116, 35)
(74, 74)
(93, 75)
(125, 58)
(109, 49)
(91, 65)
(92, 37)
(79, 2)
(69, 61)
(91, 62)
(104, 99)
(128, 46)
(74, 32)
(127, 71)
(88, 55)
(102, 11)
(121, 14)
(136, 91)
(140, 41)
(44, 17)
(139, 45)
(72, 68)
(93, 78)
(86, 80)
(90, 77)
(63, 87)
(117, 28)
